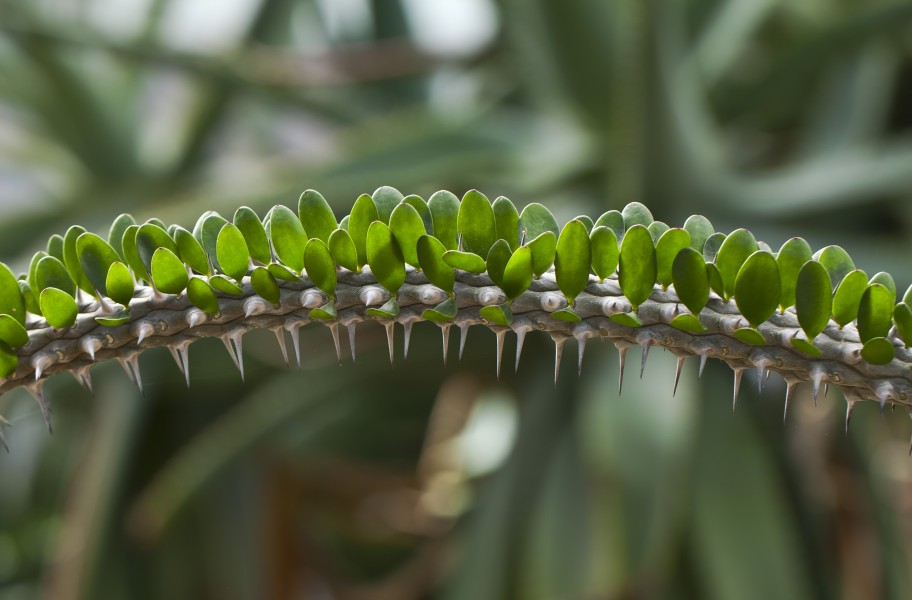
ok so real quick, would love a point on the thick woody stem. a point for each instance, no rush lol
(171, 321)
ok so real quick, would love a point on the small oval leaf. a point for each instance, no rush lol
(517, 275)
(506, 222)
(12, 333)
(385, 257)
(874, 312)
(343, 250)
(251, 227)
(813, 298)
(95, 257)
(836, 260)
(231, 250)
(320, 267)
(119, 283)
(738, 245)
(791, 258)
(168, 272)
(636, 213)
(202, 296)
(690, 278)
(288, 237)
(543, 248)
(604, 251)
(699, 228)
(758, 287)
(407, 227)
(191, 251)
(848, 297)
(444, 207)
(498, 257)
(430, 257)
(363, 213)
(572, 260)
(316, 215)
(265, 284)
(475, 223)
(637, 268)
(667, 248)
(50, 272)
(467, 261)
(58, 308)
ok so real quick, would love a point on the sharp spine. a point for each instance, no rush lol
(463, 333)
(581, 350)
(678, 369)
(84, 378)
(407, 338)
(738, 373)
(280, 338)
(334, 329)
(500, 334)
(143, 330)
(850, 408)
(520, 340)
(445, 336)
(390, 338)
(703, 357)
(558, 354)
(180, 354)
(351, 338)
(622, 358)
(790, 386)
(37, 391)
(646, 348)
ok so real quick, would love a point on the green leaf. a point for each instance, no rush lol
(225, 285)
(543, 250)
(715, 278)
(191, 251)
(430, 257)
(33, 268)
(497, 314)
(50, 272)
(506, 222)
(418, 203)
(8, 361)
(58, 308)
(657, 229)
(688, 323)
(536, 220)
(637, 268)
(95, 257)
(792, 256)
(316, 215)
(71, 259)
(119, 283)
(699, 229)
(386, 199)
(848, 297)
(444, 207)
(836, 260)
(443, 312)
(751, 336)
(150, 238)
(517, 275)
(874, 312)
(264, 284)
(902, 317)
(636, 214)
(168, 272)
(385, 257)
(467, 261)
(475, 223)
(327, 312)
(207, 235)
(116, 233)
(320, 267)
(572, 260)
(55, 247)
(232, 253)
(711, 247)
(691, 280)
(806, 347)
(613, 220)
(407, 227)
(201, 295)
(667, 248)
(813, 298)
(907, 297)
(254, 233)
(31, 301)
(115, 319)
(131, 253)
(343, 250)
(288, 237)
(498, 257)
(363, 213)
(734, 251)
(878, 351)
(390, 310)
(585, 220)
(567, 314)
(758, 287)
(604, 251)
(280, 271)
(627, 319)
(886, 280)
(12, 333)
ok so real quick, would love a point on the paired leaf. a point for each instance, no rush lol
(254, 233)
(386, 198)
(444, 207)
(572, 260)
(498, 257)
(791, 258)
(407, 227)
(265, 284)
(385, 257)
(874, 312)
(50, 272)
(636, 214)
(475, 223)
(168, 272)
(758, 287)
(667, 248)
(12, 333)
(691, 282)
(543, 250)
(734, 251)
(116, 233)
(231, 250)
(202, 296)
(836, 260)
(536, 220)
(191, 251)
(343, 250)
(613, 220)
(467, 261)
(58, 308)
(288, 237)
(320, 267)
(813, 298)
(436, 269)
(506, 222)
(637, 269)
(848, 297)
(95, 258)
(363, 213)
(119, 283)
(316, 216)
(699, 229)
(604, 244)
(517, 275)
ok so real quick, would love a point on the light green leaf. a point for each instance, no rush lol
(254, 233)
(877, 351)
(517, 275)
(691, 280)
(71, 259)
(343, 250)
(613, 220)
(688, 323)
(497, 314)
(201, 295)
(734, 251)
(232, 253)
(506, 222)
(207, 235)
(12, 333)
(225, 285)
(55, 247)
(758, 288)
(115, 319)
(874, 312)
(385, 257)
(8, 361)
(280, 271)
(604, 251)
(31, 301)
(444, 207)
(363, 213)
(50, 272)
(699, 229)
(150, 238)
(585, 220)
(168, 272)
(316, 215)
(264, 284)
(536, 220)
(475, 223)
(418, 203)
(443, 312)
(131, 253)
(191, 251)
(848, 297)
(430, 257)
(836, 260)
(58, 308)
(636, 214)
(467, 261)
(886, 280)
(543, 249)
(657, 229)
(386, 199)
(116, 233)
(572, 260)
(95, 257)
(498, 256)
(792, 256)
(813, 298)
(667, 248)
(320, 267)
(407, 227)
(711, 246)
(288, 237)
(637, 268)
(119, 283)
(902, 317)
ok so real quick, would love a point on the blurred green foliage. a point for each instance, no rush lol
(425, 481)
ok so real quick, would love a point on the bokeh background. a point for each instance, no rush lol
(423, 481)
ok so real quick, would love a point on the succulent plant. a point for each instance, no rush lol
(811, 317)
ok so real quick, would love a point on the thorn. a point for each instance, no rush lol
(37, 391)
(816, 378)
(407, 326)
(761, 367)
(826, 389)
(390, 339)
(463, 333)
(280, 338)
(180, 354)
(789, 393)
(678, 374)
(558, 353)
(445, 335)
(351, 338)
(520, 340)
(127, 369)
(622, 356)
(195, 317)
(90, 346)
(643, 359)
(3, 437)
(334, 329)
(233, 344)
(133, 362)
(703, 358)
(84, 378)
(738, 373)
(580, 349)
(41, 362)
(501, 334)
(254, 306)
(143, 331)
(850, 408)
